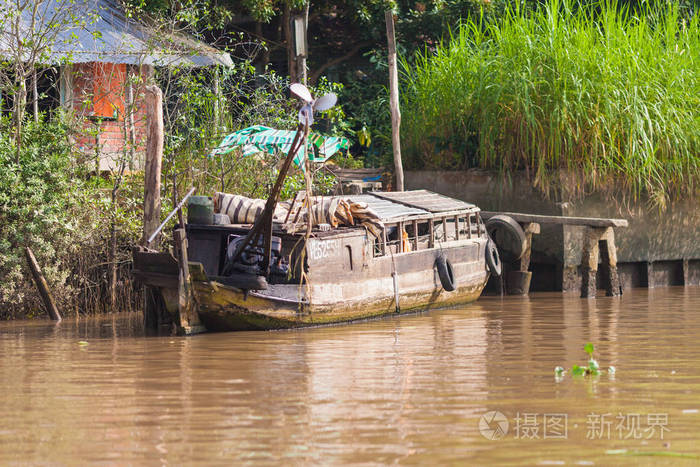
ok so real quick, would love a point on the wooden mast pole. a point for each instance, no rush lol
(394, 100)
(262, 228)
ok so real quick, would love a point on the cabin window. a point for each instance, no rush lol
(473, 225)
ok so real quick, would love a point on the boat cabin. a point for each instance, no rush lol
(401, 222)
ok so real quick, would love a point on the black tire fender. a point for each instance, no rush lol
(508, 236)
(447, 276)
(493, 260)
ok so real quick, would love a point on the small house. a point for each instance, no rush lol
(104, 58)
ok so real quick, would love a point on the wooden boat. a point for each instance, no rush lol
(433, 253)
(411, 250)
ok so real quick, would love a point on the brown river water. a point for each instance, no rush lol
(428, 388)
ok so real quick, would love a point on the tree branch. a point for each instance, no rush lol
(317, 74)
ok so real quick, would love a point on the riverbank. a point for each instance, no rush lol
(661, 246)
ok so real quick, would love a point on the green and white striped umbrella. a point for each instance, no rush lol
(259, 138)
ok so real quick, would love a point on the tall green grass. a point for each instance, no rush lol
(580, 98)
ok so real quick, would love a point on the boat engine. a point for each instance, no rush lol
(252, 258)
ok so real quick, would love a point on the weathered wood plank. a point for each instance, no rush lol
(422, 199)
(530, 229)
(415, 235)
(561, 220)
(343, 174)
(422, 217)
(154, 158)
(189, 319)
(608, 256)
(42, 286)
(431, 240)
(589, 261)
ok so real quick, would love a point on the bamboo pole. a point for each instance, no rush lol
(41, 284)
(394, 100)
(154, 159)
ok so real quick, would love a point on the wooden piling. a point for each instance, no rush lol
(394, 100)
(42, 286)
(189, 319)
(518, 282)
(589, 262)
(154, 158)
(608, 256)
(594, 239)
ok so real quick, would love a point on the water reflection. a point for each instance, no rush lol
(408, 389)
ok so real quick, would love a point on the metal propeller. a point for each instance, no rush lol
(311, 105)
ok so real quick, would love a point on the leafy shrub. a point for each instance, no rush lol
(39, 207)
(48, 203)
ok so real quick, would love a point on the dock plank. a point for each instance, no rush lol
(561, 220)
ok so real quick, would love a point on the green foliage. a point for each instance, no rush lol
(591, 369)
(33, 201)
(48, 203)
(197, 120)
(609, 98)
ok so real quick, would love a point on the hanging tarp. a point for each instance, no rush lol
(255, 139)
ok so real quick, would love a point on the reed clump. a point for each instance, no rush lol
(579, 97)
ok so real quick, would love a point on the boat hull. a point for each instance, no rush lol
(335, 298)
(231, 310)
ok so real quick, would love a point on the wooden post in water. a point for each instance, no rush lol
(394, 100)
(595, 237)
(154, 158)
(41, 284)
(608, 257)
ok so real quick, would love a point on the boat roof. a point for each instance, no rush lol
(426, 200)
(396, 205)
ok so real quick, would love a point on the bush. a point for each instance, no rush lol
(48, 203)
(38, 206)
(608, 97)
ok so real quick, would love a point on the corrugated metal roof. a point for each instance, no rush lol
(99, 31)
(424, 199)
(386, 209)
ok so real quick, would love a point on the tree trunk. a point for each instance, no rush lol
(301, 59)
(217, 102)
(287, 28)
(20, 103)
(394, 101)
(112, 255)
(130, 107)
(35, 96)
(265, 59)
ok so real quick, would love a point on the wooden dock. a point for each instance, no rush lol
(599, 244)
